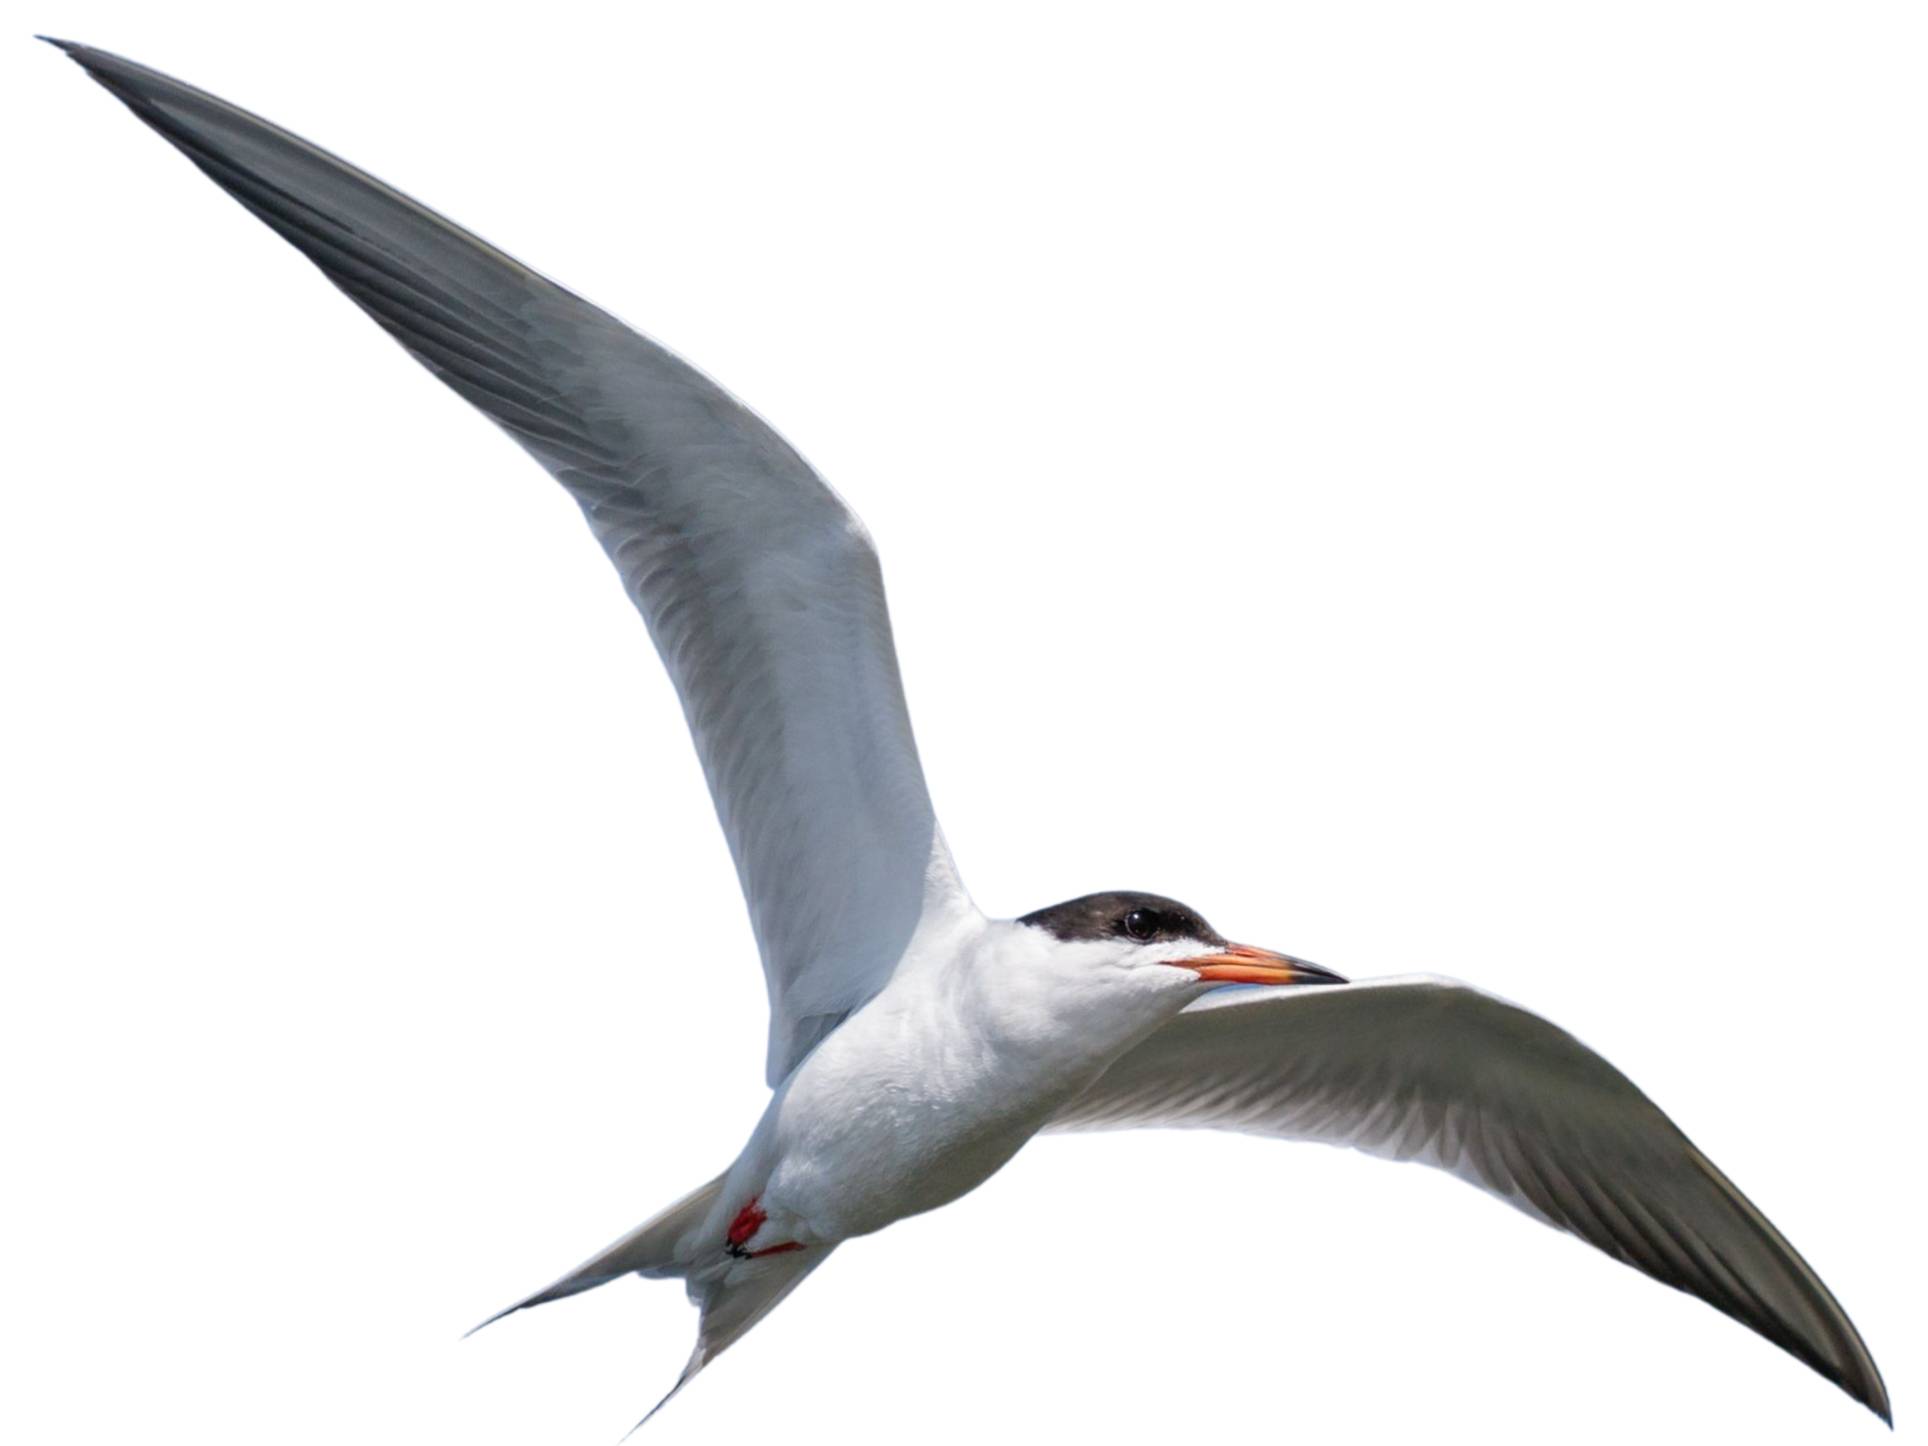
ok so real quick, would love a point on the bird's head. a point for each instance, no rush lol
(1159, 946)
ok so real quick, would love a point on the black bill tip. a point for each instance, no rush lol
(1316, 974)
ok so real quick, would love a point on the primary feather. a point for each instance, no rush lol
(759, 586)
(1432, 1070)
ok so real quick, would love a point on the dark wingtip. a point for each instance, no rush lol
(97, 63)
(1864, 1384)
(100, 64)
(505, 1311)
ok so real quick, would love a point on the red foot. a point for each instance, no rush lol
(776, 1249)
(748, 1221)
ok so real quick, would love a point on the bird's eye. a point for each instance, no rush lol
(1140, 924)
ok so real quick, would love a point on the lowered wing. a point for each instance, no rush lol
(1431, 1070)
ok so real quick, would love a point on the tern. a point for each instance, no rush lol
(915, 1044)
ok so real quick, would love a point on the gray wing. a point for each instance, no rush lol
(760, 588)
(1431, 1070)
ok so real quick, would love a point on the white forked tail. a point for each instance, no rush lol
(649, 1249)
(732, 1292)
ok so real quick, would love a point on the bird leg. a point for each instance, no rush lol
(748, 1221)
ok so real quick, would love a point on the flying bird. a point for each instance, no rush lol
(914, 1043)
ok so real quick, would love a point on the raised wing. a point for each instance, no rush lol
(760, 588)
(1431, 1070)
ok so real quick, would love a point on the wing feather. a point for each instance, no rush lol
(1431, 1070)
(760, 588)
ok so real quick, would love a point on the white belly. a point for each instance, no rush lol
(897, 1113)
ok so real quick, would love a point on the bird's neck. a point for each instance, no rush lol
(1004, 1015)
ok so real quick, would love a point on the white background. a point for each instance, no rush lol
(1433, 486)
